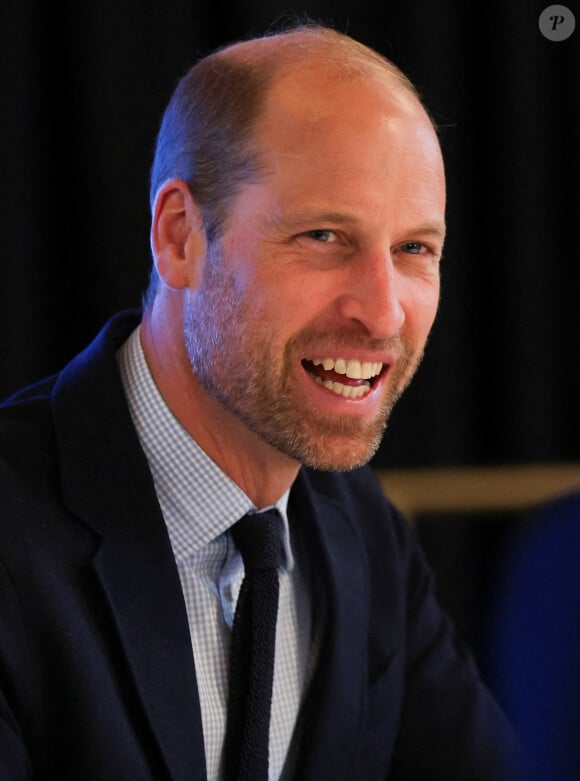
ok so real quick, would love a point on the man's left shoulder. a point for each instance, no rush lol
(357, 487)
(358, 496)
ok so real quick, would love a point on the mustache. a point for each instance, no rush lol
(346, 338)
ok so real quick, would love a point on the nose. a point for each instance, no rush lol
(373, 297)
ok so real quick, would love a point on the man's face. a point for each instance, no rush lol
(314, 308)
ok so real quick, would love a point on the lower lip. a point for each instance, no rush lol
(330, 402)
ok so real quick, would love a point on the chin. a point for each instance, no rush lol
(340, 462)
(332, 453)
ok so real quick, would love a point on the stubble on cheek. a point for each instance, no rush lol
(242, 360)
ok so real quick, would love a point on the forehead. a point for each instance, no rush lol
(320, 129)
(313, 103)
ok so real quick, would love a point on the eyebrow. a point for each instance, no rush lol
(313, 216)
(430, 229)
(436, 229)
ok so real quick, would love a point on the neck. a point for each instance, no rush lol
(261, 471)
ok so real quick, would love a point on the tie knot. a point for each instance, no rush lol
(259, 539)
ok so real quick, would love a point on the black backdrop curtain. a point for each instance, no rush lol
(83, 87)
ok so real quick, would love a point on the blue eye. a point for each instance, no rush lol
(322, 235)
(413, 247)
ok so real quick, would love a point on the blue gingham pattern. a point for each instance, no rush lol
(200, 503)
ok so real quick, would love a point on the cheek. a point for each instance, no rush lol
(293, 299)
(420, 309)
(315, 293)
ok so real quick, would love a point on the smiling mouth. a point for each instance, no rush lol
(352, 379)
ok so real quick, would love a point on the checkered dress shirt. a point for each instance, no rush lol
(200, 503)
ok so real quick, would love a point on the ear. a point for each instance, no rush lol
(178, 239)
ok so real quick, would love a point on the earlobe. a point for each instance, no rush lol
(178, 238)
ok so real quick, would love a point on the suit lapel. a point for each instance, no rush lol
(137, 571)
(336, 704)
(107, 484)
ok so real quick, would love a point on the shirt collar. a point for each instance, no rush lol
(198, 500)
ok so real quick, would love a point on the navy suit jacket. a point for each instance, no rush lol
(97, 675)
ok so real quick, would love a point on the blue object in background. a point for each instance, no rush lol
(535, 644)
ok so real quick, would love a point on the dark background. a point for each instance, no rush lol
(83, 88)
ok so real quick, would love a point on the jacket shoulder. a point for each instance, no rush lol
(359, 496)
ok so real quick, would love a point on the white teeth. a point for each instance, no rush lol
(353, 368)
(348, 391)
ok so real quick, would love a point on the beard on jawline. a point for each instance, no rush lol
(237, 361)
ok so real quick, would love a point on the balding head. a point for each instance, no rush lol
(314, 46)
(208, 132)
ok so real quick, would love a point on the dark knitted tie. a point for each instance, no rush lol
(259, 539)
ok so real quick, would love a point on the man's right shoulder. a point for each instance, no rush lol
(27, 418)
(28, 453)
(26, 424)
